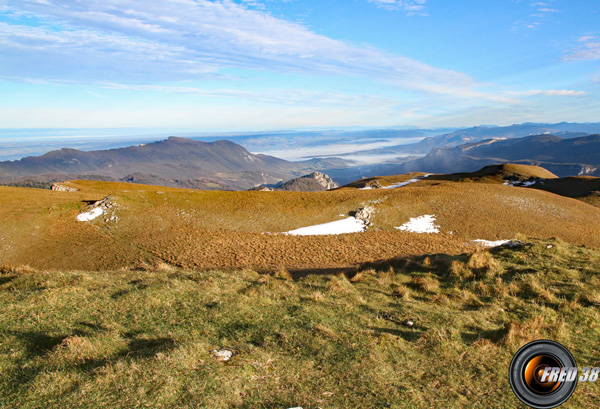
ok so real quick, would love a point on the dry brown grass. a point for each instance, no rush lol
(482, 289)
(539, 290)
(497, 173)
(520, 333)
(340, 285)
(129, 338)
(484, 264)
(460, 271)
(282, 273)
(363, 276)
(426, 284)
(593, 297)
(213, 229)
(584, 188)
(162, 266)
(401, 291)
(435, 337)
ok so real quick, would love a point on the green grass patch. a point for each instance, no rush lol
(438, 331)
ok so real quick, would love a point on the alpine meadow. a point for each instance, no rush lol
(298, 204)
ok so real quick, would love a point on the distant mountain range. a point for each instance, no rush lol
(566, 149)
(562, 156)
(177, 162)
(478, 133)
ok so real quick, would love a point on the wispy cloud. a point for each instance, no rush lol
(96, 94)
(412, 7)
(142, 45)
(279, 96)
(541, 12)
(590, 50)
(551, 92)
(585, 38)
(151, 40)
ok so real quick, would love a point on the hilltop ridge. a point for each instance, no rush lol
(220, 229)
(177, 162)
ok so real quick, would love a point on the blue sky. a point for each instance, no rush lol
(248, 65)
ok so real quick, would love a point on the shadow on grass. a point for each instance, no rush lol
(136, 349)
(37, 345)
(348, 271)
(410, 335)
(92, 326)
(7, 279)
(134, 285)
(474, 334)
(40, 344)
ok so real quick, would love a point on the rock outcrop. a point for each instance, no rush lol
(315, 182)
(59, 187)
(261, 188)
(364, 214)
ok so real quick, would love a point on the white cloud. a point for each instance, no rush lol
(542, 14)
(279, 96)
(589, 51)
(412, 7)
(583, 39)
(151, 40)
(143, 45)
(552, 92)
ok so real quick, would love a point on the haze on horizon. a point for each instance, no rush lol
(253, 65)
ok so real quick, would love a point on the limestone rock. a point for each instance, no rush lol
(59, 187)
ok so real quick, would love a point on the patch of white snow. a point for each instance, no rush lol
(488, 243)
(519, 183)
(91, 215)
(421, 224)
(347, 225)
(408, 182)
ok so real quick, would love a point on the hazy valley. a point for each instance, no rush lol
(567, 149)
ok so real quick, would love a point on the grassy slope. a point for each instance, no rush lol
(125, 338)
(212, 229)
(585, 188)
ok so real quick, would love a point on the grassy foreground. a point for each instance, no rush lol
(121, 339)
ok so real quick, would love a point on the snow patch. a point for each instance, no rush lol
(421, 224)
(396, 185)
(488, 243)
(408, 182)
(347, 225)
(519, 183)
(91, 215)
